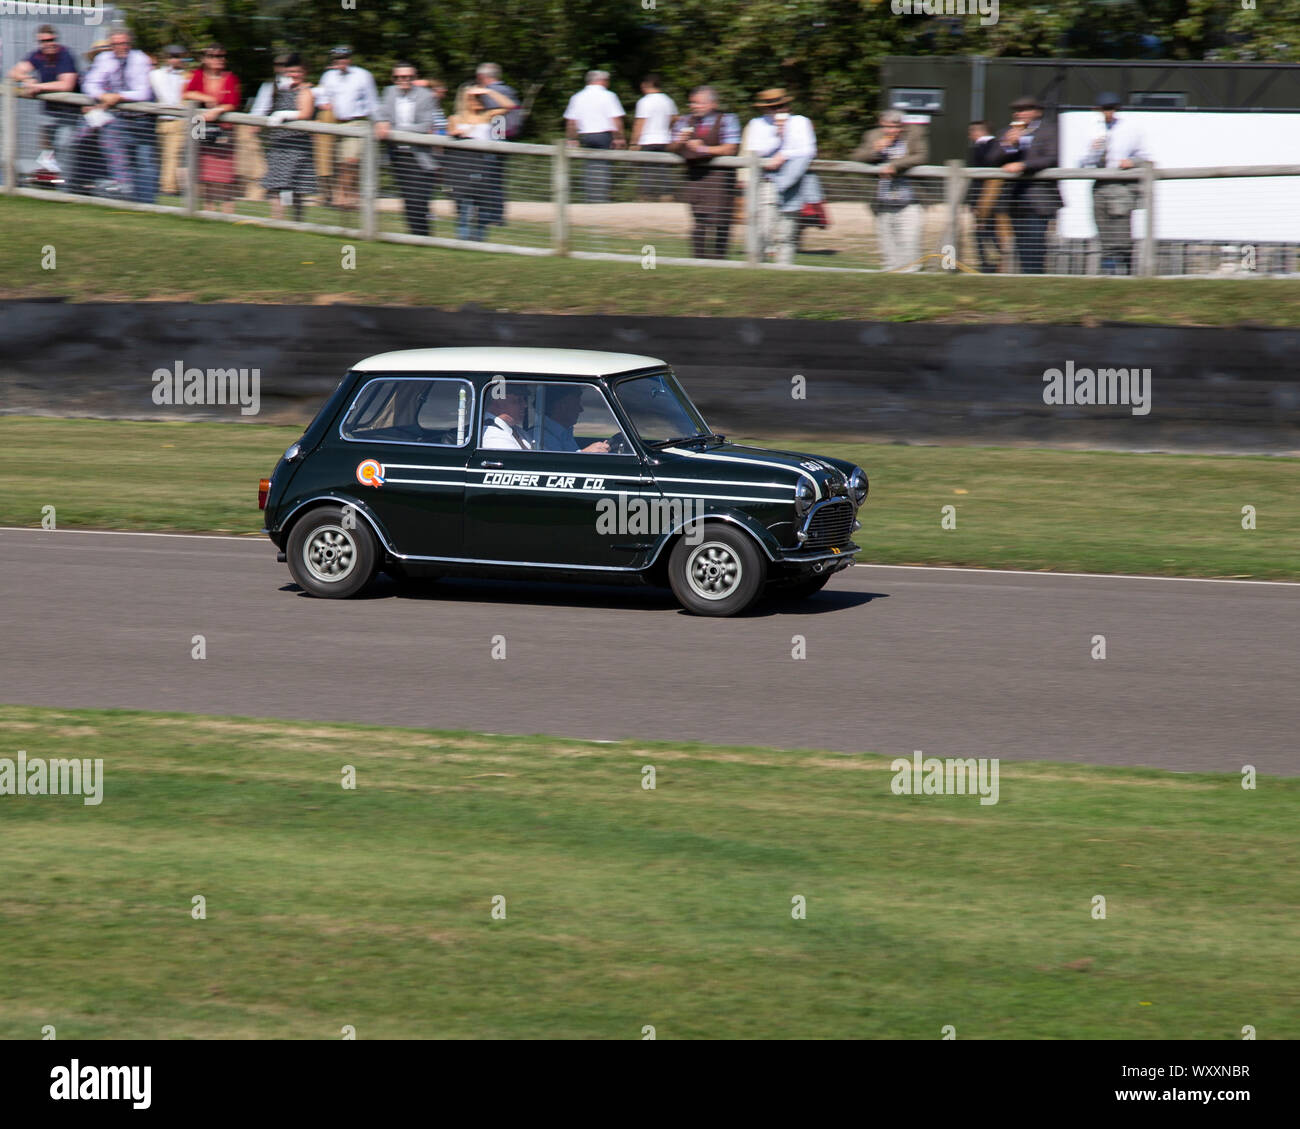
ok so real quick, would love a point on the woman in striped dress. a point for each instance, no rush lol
(289, 167)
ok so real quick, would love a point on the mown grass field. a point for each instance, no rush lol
(111, 255)
(623, 906)
(1177, 515)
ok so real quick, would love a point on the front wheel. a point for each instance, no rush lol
(331, 553)
(721, 575)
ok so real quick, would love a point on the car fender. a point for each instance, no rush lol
(301, 507)
(759, 532)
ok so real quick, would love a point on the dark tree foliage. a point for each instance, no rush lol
(826, 52)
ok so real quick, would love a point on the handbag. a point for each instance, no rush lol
(813, 214)
(217, 136)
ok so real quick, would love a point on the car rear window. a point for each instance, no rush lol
(436, 411)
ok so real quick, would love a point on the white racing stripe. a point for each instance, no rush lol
(730, 482)
(710, 457)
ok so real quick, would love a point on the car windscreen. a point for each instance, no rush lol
(658, 408)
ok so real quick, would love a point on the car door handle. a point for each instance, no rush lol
(490, 463)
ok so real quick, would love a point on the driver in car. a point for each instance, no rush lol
(563, 407)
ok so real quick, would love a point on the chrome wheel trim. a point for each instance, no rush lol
(714, 571)
(329, 554)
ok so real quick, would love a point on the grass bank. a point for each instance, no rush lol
(111, 255)
(624, 906)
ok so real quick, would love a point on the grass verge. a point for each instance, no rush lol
(126, 256)
(625, 906)
(1084, 511)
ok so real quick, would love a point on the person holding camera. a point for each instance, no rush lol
(895, 147)
(1117, 145)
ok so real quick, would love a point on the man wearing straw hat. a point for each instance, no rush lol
(787, 145)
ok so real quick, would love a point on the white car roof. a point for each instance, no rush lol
(544, 362)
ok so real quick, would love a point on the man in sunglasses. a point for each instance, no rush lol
(51, 69)
(411, 109)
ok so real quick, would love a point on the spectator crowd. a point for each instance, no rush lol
(106, 149)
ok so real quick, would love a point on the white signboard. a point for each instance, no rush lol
(1261, 209)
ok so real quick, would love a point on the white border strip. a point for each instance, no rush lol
(1084, 575)
(249, 538)
(260, 539)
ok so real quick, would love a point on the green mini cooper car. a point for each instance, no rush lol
(554, 464)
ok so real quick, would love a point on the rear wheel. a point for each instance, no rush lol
(331, 553)
(721, 575)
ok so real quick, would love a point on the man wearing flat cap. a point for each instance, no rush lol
(1118, 144)
(348, 92)
(787, 145)
(1029, 145)
(895, 146)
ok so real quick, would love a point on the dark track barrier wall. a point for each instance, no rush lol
(1228, 389)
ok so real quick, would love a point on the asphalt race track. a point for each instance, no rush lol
(1199, 676)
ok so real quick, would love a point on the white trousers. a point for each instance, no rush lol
(776, 228)
(899, 235)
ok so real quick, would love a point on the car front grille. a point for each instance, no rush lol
(829, 525)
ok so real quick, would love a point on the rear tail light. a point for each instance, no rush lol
(263, 489)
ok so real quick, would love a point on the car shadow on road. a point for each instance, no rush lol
(543, 593)
(827, 600)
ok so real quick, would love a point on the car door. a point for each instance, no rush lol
(405, 441)
(532, 499)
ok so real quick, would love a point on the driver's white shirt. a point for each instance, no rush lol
(500, 436)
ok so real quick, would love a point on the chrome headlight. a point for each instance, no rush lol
(858, 485)
(803, 497)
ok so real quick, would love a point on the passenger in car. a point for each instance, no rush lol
(502, 419)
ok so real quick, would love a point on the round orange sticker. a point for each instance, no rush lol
(370, 473)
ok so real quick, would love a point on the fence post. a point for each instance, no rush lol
(1148, 186)
(753, 237)
(369, 182)
(9, 135)
(560, 197)
(191, 164)
(954, 191)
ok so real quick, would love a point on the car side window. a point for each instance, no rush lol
(434, 411)
(538, 415)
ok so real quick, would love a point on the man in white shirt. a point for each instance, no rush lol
(1118, 145)
(349, 94)
(168, 82)
(121, 75)
(503, 418)
(594, 120)
(651, 133)
(787, 144)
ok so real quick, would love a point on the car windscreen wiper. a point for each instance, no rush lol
(686, 439)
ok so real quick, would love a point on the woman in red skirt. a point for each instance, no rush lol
(216, 88)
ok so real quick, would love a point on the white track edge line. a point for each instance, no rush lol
(258, 539)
